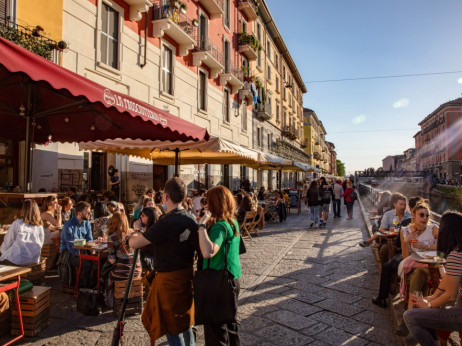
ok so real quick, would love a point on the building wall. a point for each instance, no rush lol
(45, 13)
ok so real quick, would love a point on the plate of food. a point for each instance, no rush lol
(426, 254)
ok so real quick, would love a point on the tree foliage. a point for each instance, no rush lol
(340, 168)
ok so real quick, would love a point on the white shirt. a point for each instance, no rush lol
(22, 243)
(338, 191)
(196, 203)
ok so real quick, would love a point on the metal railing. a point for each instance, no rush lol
(32, 40)
(204, 44)
(263, 107)
(231, 68)
(166, 9)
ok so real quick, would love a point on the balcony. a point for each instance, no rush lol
(32, 40)
(317, 155)
(316, 141)
(249, 8)
(249, 46)
(167, 19)
(263, 111)
(246, 93)
(233, 76)
(208, 54)
(304, 143)
(288, 132)
(137, 7)
(213, 7)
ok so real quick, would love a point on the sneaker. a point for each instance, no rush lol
(364, 243)
(311, 225)
(322, 224)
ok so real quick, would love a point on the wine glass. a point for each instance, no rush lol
(395, 221)
(417, 294)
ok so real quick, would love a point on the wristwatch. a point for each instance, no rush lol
(203, 226)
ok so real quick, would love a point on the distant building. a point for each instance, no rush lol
(438, 143)
(393, 163)
(332, 158)
(316, 144)
(408, 162)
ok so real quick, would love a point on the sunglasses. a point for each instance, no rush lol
(423, 215)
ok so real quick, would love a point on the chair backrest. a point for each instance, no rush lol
(249, 220)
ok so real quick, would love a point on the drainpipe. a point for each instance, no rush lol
(145, 39)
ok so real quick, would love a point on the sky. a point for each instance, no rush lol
(368, 120)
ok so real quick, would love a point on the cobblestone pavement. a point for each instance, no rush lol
(299, 287)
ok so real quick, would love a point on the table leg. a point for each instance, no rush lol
(78, 277)
(15, 285)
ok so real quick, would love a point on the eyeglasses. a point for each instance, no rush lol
(424, 215)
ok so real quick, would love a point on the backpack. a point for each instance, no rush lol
(353, 195)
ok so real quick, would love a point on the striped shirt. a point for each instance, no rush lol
(454, 264)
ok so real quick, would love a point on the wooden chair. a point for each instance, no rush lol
(273, 214)
(135, 297)
(248, 224)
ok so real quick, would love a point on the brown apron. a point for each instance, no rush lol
(169, 308)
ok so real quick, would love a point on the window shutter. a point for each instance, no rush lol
(3, 11)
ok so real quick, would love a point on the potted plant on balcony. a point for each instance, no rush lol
(62, 45)
(183, 7)
(195, 22)
(36, 31)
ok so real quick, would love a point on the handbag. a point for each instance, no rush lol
(89, 301)
(214, 298)
(242, 248)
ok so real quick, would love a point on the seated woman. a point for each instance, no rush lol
(102, 217)
(119, 253)
(51, 217)
(279, 205)
(148, 217)
(442, 310)
(24, 239)
(67, 211)
(139, 206)
(248, 205)
(419, 231)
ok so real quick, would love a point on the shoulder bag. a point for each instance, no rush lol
(214, 299)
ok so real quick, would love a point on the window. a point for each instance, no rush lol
(259, 137)
(226, 110)
(202, 90)
(109, 44)
(259, 59)
(284, 73)
(259, 32)
(227, 50)
(277, 83)
(270, 142)
(226, 15)
(285, 119)
(284, 91)
(269, 105)
(268, 49)
(269, 72)
(244, 26)
(276, 61)
(244, 116)
(277, 112)
(167, 70)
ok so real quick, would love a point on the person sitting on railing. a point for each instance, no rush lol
(442, 310)
(419, 233)
(391, 267)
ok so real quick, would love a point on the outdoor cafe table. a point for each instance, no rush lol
(390, 239)
(95, 256)
(6, 273)
(433, 268)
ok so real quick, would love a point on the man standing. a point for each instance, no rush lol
(172, 241)
(304, 191)
(115, 184)
(325, 191)
(338, 192)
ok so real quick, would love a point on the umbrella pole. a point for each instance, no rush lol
(27, 157)
(177, 162)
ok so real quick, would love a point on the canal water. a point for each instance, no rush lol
(440, 203)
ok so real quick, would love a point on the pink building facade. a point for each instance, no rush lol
(438, 143)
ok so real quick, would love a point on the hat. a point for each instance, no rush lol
(113, 203)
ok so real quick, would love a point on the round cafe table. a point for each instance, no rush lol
(390, 239)
(433, 269)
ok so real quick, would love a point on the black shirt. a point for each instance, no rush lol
(174, 239)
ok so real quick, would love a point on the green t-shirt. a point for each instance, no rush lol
(217, 234)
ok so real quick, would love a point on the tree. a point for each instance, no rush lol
(340, 168)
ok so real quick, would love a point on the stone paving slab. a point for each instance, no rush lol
(300, 286)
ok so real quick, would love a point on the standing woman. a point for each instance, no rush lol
(51, 217)
(224, 229)
(24, 239)
(442, 310)
(349, 201)
(313, 200)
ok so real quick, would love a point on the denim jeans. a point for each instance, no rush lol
(424, 323)
(184, 339)
(336, 206)
(314, 214)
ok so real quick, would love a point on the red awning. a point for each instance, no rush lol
(72, 108)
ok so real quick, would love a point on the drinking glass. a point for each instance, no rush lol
(395, 220)
(417, 294)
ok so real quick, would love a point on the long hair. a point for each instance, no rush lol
(140, 203)
(30, 213)
(418, 206)
(152, 215)
(247, 203)
(450, 233)
(46, 204)
(313, 186)
(119, 225)
(221, 204)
